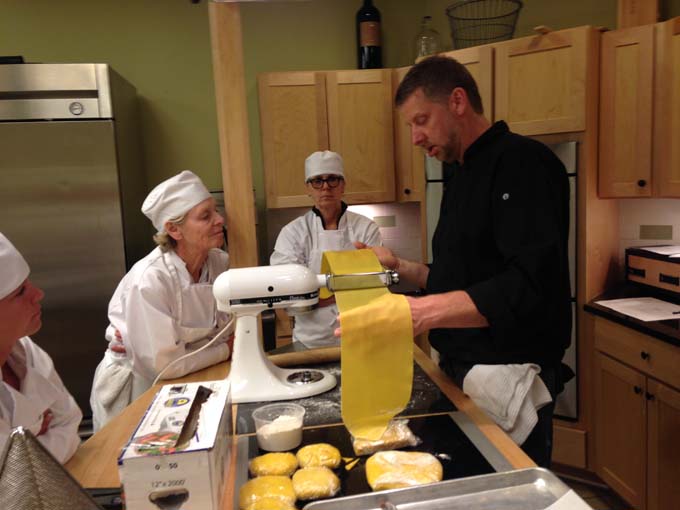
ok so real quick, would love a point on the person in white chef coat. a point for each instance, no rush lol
(31, 394)
(164, 309)
(329, 226)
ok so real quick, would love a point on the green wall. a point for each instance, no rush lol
(163, 48)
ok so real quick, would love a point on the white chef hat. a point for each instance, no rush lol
(13, 268)
(173, 198)
(323, 162)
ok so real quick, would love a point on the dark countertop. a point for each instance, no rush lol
(324, 409)
(668, 331)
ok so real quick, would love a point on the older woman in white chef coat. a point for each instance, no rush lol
(329, 226)
(163, 308)
(31, 394)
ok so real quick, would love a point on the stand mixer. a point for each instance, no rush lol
(247, 292)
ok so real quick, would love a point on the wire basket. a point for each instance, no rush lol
(475, 22)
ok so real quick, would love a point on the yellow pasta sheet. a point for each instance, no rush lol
(376, 349)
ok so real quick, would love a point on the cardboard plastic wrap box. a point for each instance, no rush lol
(181, 449)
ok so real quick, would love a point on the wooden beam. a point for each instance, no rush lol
(633, 13)
(234, 138)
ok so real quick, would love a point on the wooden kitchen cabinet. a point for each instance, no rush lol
(409, 160)
(626, 108)
(540, 81)
(360, 127)
(640, 112)
(663, 479)
(294, 124)
(637, 416)
(666, 156)
(349, 112)
(621, 428)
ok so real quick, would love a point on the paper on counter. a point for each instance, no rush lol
(570, 501)
(645, 309)
(663, 250)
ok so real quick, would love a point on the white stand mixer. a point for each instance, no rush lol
(247, 292)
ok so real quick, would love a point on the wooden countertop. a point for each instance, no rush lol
(95, 462)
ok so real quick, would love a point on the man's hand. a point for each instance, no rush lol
(385, 255)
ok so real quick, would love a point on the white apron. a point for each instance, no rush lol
(41, 390)
(115, 385)
(315, 329)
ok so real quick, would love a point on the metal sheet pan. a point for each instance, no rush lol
(524, 489)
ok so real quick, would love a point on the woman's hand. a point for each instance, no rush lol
(47, 419)
(118, 346)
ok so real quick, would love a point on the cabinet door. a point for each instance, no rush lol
(541, 82)
(620, 428)
(666, 160)
(294, 124)
(626, 112)
(664, 447)
(360, 126)
(479, 61)
(409, 159)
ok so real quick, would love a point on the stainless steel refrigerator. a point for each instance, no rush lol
(71, 187)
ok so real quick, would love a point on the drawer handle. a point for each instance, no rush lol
(642, 183)
(637, 390)
(649, 396)
(407, 191)
(636, 272)
(672, 280)
(645, 355)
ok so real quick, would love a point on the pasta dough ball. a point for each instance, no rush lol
(394, 469)
(319, 455)
(283, 464)
(270, 504)
(278, 488)
(315, 483)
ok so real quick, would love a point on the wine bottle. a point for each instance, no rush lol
(369, 49)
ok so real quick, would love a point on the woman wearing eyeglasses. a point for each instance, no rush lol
(329, 226)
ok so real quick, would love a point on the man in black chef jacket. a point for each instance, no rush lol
(498, 286)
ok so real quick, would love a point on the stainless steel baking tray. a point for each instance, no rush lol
(524, 489)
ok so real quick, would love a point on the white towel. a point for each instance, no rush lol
(510, 395)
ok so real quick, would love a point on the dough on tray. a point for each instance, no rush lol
(279, 463)
(315, 483)
(279, 488)
(319, 455)
(397, 435)
(270, 504)
(395, 469)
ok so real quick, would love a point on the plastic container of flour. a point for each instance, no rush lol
(279, 426)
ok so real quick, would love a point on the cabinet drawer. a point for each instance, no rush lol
(658, 273)
(649, 355)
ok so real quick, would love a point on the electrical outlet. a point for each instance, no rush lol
(657, 232)
(385, 221)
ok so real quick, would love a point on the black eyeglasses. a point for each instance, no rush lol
(332, 181)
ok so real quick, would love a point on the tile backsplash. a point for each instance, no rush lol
(641, 219)
(401, 230)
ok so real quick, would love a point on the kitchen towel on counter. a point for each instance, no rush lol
(376, 349)
(510, 395)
